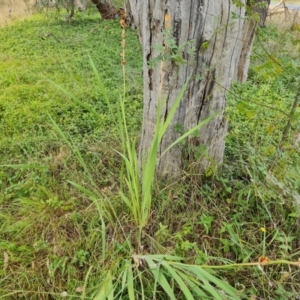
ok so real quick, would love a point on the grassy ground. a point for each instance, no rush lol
(64, 230)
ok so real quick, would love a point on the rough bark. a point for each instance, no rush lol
(129, 15)
(217, 39)
(249, 31)
(106, 9)
(248, 40)
(261, 7)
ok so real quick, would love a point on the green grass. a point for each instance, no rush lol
(38, 207)
(64, 227)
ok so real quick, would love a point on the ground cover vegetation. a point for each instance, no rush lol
(76, 222)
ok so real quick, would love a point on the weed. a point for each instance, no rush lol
(65, 230)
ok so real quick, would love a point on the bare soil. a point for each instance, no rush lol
(11, 10)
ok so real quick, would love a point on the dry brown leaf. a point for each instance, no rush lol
(263, 260)
(123, 23)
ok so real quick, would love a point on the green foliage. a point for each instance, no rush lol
(65, 230)
(187, 278)
(258, 112)
(139, 181)
(238, 3)
(47, 228)
(171, 51)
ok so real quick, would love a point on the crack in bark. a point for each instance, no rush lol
(191, 19)
(190, 22)
(210, 83)
(177, 25)
(150, 72)
(226, 27)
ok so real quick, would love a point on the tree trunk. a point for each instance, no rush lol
(262, 7)
(217, 40)
(106, 9)
(248, 40)
(129, 15)
(249, 31)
